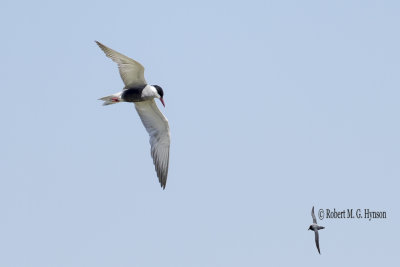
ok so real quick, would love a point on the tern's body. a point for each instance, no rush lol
(140, 93)
(315, 227)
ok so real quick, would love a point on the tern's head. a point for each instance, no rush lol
(310, 228)
(160, 93)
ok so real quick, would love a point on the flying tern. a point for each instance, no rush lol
(315, 227)
(140, 93)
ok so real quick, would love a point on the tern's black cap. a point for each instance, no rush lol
(159, 90)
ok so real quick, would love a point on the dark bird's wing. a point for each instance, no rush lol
(131, 71)
(158, 128)
(313, 216)
(317, 240)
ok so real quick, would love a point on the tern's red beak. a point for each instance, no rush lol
(162, 101)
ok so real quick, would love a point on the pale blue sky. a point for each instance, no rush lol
(274, 106)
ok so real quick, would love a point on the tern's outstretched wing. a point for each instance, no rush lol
(131, 71)
(313, 216)
(157, 126)
(317, 240)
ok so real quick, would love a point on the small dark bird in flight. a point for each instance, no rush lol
(315, 227)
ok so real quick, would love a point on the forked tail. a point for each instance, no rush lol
(111, 99)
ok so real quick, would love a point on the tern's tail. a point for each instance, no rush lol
(111, 99)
